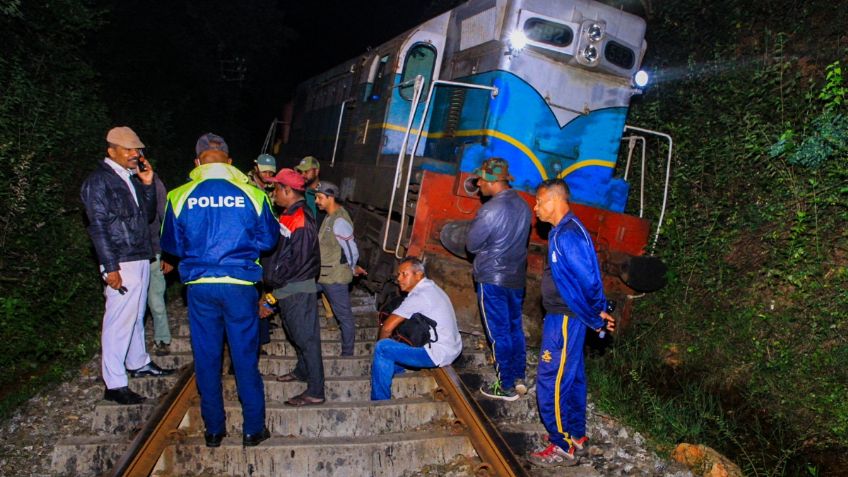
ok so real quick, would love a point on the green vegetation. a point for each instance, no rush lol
(746, 349)
(51, 122)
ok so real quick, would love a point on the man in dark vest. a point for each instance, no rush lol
(338, 260)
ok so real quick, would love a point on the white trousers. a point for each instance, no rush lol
(122, 338)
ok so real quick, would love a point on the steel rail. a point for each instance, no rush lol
(498, 459)
(495, 454)
(152, 439)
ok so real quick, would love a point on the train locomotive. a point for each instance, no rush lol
(545, 84)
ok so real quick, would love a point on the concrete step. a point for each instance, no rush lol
(345, 389)
(174, 360)
(115, 419)
(363, 332)
(335, 366)
(384, 455)
(367, 320)
(152, 388)
(523, 438)
(279, 346)
(357, 365)
(334, 419)
(88, 455)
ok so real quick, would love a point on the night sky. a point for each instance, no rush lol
(229, 66)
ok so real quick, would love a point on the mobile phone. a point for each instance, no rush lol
(141, 166)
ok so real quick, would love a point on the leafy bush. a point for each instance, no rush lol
(745, 349)
(51, 124)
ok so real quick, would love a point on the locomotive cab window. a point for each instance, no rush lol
(420, 60)
(376, 78)
(548, 32)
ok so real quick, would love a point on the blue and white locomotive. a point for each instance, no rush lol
(545, 84)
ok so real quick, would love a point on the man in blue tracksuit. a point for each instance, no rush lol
(573, 296)
(217, 225)
(498, 239)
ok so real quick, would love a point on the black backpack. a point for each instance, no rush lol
(415, 331)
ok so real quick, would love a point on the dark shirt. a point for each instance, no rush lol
(551, 299)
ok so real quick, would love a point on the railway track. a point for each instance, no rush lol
(433, 420)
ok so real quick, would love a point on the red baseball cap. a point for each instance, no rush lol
(290, 178)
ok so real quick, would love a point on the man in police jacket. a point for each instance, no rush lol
(217, 225)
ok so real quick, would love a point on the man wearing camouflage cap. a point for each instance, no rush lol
(498, 239)
(309, 168)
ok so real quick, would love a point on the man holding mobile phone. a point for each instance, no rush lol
(120, 204)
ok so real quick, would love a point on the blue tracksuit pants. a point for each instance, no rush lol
(500, 309)
(216, 309)
(561, 379)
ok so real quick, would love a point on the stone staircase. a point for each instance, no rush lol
(347, 436)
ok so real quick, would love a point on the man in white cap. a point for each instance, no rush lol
(120, 202)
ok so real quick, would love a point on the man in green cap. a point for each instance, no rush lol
(498, 239)
(309, 167)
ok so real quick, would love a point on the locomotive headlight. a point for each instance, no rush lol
(595, 32)
(590, 53)
(471, 186)
(641, 78)
(517, 41)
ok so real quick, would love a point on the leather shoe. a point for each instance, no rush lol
(123, 395)
(250, 440)
(214, 440)
(304, 399)
(289, 378)
(150, 369)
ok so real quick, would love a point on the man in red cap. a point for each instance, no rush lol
(120, 202)
(291, 275)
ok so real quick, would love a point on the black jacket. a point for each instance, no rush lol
(297, 257)
(498, 238)
(117, 226)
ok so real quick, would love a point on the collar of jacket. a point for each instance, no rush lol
(565, 219)
(218, 170)
(293, 208)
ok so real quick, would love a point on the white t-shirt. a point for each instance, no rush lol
(431, 301)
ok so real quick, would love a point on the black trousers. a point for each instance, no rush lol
(300, 321)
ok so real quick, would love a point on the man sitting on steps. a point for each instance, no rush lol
(393, 357)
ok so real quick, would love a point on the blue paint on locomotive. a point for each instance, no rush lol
(519, 126)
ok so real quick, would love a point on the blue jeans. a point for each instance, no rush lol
(500, 308)
(390, 358)
(213, 310)
(339, 298)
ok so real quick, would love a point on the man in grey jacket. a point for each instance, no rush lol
(498, 239)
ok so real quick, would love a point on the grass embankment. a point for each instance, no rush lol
(746, 349)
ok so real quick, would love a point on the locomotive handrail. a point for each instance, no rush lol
(631, 144)
(338, 131)
(667, 178)
(433, 86)
(416, 99)
(271, 130)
